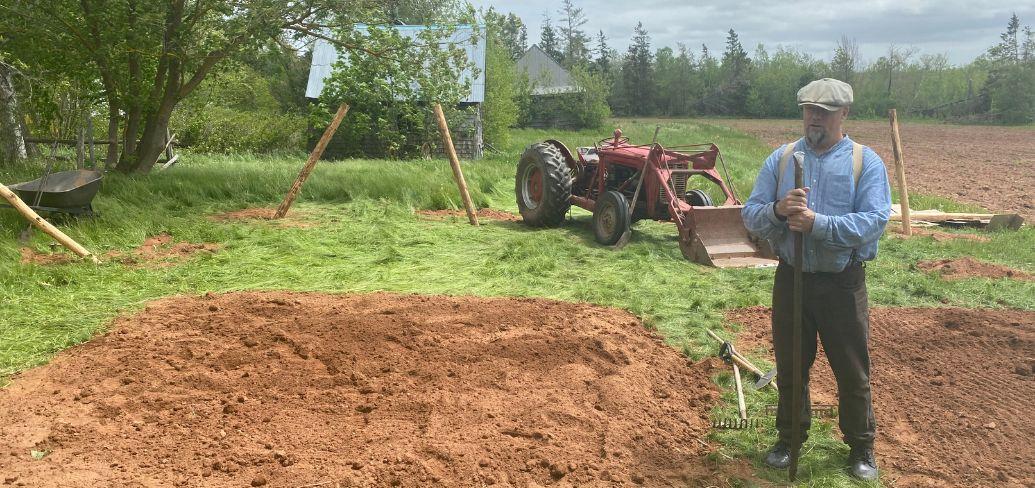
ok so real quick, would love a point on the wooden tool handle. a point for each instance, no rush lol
(740, 392)
(45, 226)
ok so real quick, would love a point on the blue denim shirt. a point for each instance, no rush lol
(849, 218)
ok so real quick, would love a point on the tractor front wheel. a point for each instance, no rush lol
(543, 185)
(610, 218)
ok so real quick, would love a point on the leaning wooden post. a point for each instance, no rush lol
(311, 162)
(45, 226)
(447, 141)
(900, 171)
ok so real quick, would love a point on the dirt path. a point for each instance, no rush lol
(292, 389)
(993, 167)
(952, 392)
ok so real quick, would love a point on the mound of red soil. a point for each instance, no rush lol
(293, 389)
(30, 256)
(292, 219)
(956, 269)
(160, 251)
(952, 392)
(156, 251)
(483, 213)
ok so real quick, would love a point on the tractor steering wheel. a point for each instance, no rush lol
(611, 140)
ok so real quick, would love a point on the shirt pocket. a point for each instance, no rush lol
(839, 195)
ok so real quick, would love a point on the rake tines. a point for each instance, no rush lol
(736, 424)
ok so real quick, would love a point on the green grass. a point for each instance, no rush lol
(368, 238)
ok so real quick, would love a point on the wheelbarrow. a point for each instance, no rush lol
(67, 192)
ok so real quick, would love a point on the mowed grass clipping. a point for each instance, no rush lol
(366, 236)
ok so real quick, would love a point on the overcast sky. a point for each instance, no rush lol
(960, 29)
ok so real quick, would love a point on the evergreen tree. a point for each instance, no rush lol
(638, 91)
(605, 55)
(1010, 81)
(548, 41)
(576, 43)
(1008, 50)
(736, 72)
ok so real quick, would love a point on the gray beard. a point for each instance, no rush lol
(815, 136)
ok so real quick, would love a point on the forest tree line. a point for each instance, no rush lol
(230, 76)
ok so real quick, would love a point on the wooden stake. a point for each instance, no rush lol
(900, 171)
(447, 141)
(296, 187)
(45, 226)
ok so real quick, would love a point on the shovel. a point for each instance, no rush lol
(799, 282)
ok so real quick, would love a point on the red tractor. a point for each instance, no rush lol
(622, 183)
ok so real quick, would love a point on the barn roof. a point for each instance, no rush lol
(548, 77)
(325, 54)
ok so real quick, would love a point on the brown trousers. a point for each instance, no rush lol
(834, 307)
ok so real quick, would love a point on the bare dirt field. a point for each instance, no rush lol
(952, 392)
(305, 389)
(993, 167)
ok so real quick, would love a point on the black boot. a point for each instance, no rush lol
(862, 464)
(779, 456)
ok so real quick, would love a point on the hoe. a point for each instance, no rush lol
(622, 183)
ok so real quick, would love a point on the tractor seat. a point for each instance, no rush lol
(588, 154)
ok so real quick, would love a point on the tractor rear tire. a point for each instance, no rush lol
(610, 218)
(543, 185)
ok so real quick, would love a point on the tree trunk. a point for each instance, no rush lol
(12, 140)
(152, 143)
(113, 135)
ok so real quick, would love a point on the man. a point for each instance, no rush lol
(842, 212)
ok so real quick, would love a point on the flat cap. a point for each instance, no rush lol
(828, 93)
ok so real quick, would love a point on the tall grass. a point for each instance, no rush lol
(367, 237)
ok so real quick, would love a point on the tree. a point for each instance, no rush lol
(500, 108)
(846, 59)
(576, 44)
(509, 31)
(1012, 75)
(1008, 50)
(149, 56)
(637, 78)
(605, 55)
(548, 40)
(12, 141)
(736, 70)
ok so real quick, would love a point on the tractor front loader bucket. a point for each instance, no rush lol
(716, 236)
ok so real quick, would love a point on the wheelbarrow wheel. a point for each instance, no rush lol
(610, 218)
(543, 186)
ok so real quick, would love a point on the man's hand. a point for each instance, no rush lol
(795, 202)
(802, 221)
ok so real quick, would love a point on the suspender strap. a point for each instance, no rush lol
(857, 161)
(784, 158)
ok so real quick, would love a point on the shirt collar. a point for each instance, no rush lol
(844, 141)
